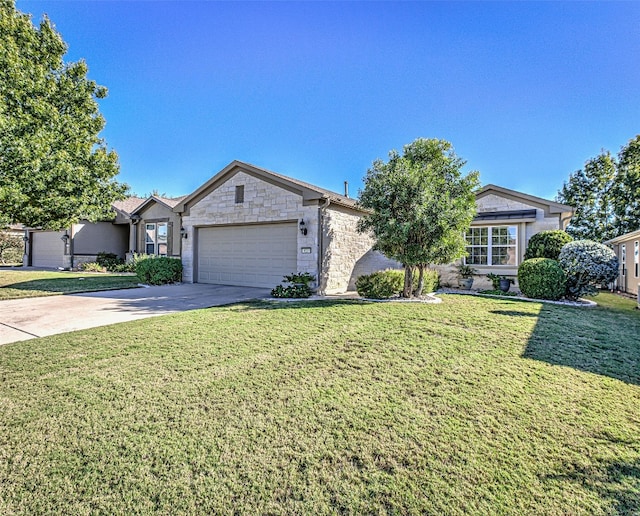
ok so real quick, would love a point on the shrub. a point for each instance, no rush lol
(547, 244)
(108, 260)
(292, 291)
(542, 278)
(158, 270)
(299, 287)
(381, 284)
(587, 264)
(91, 267)
(431, 280)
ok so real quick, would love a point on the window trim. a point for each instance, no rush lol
(489, 246)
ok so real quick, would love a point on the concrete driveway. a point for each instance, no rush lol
(23, 319)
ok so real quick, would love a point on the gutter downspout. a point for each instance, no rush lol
(321, 210)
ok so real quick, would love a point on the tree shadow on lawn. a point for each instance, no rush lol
(594, 340)
(618, 481)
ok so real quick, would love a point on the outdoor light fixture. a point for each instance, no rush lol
(303, 227)
(183, 233)
(25, 239)
(65, 239)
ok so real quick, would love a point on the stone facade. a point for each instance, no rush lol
(263, 202)
(347, 254)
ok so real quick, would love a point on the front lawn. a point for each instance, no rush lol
(472, 406)
(19, 284)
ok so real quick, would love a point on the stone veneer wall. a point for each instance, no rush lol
(263, 202)
(348, 254)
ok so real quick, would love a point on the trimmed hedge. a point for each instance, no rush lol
(389, 283)
(542, 278)
(587, 264)
(547, 244)
(158, 270)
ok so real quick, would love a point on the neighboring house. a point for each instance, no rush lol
(627, 249)
(500, 232)
(250, 226)
(145, 226)
(155, 227)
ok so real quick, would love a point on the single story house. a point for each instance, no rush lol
(250, 226)
(139, 226)
(627, 249)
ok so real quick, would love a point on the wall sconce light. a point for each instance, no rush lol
(25, 239)
(65, 239)
(183, 233)
(303, 227)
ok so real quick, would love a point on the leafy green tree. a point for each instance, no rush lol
(420, 206)
(54, 167)
(606, 195)
(589, 191)
(626, 191)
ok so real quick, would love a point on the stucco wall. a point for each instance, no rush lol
(348, 254)
(263, 202)
(630, 281)
(91, 239)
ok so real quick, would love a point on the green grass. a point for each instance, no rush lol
(616, 302)
(472, 406)
(19, 284)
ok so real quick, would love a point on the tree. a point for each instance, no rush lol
(54, 168)
(420, 206)
(589, 191)
(626, 191)
(606, 195)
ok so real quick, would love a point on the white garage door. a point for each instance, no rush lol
(253, 256)
(47, 249)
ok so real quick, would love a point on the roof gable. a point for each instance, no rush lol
(532, 200)
(307, 191)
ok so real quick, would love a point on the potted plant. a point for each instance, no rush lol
(465, 276)
(500, 282)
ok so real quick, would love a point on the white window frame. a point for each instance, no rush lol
(623, 258)
(490, 245)
(154, 240)
(636, 255)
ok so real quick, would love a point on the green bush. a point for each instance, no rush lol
(380, 284)
(91, 267)
(587, 264)
(547, 244)
(431, 280)
(542, 278)
(292, 291)
(158, 270)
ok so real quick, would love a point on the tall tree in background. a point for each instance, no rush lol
(589, 191)
(626, 191)
(606, 195)
(54, 168)
(421, 205)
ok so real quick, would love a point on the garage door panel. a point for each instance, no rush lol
(257, 255)
(47, 249)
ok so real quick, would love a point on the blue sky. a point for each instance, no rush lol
(526, 92)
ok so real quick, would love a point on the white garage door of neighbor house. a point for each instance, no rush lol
(253, 256)
(47, 249)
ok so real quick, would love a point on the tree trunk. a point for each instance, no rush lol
(420, 286)
(408, 281)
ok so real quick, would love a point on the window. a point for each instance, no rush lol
(156, 238)
(636, 255)
(492, 245)
(623, 258)
(239, 194)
